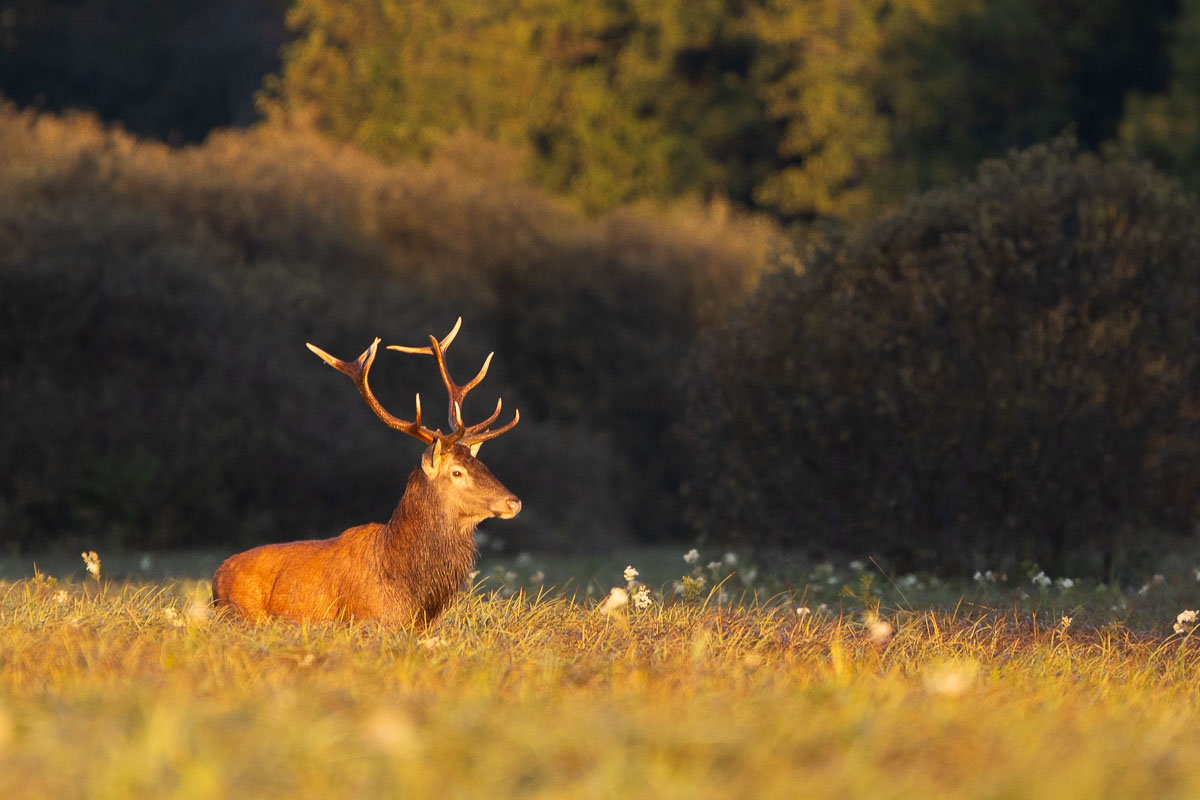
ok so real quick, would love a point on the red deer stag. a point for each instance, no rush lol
(407, 570)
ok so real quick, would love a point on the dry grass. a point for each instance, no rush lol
(112, 689)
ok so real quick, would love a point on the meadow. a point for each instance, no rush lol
(842, 683)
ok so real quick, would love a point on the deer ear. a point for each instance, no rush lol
(431, 459)
(475, 449)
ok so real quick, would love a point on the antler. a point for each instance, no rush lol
(467, 435)
(357, 370)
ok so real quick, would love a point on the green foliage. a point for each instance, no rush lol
(1005, 370)
(610, 101)
(966, 80)
(805, 108)
(1165, 127)
(157, 303)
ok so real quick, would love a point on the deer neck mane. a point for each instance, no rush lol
(424, 548)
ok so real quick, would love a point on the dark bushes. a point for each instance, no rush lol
(1007, 370)
(155, 388)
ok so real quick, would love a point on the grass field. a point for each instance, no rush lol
(128, 687)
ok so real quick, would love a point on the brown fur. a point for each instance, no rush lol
(405, 571)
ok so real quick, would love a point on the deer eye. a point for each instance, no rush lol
(456, 472)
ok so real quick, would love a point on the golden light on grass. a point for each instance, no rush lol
(113, 695)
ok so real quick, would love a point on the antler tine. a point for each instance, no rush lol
(474, 438)
(427, 350)
(358, 371)
(456, 392)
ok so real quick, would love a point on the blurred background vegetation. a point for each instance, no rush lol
(913, 279)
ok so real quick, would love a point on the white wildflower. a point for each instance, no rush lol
(749, 574)
(1065, 583)
(1065, 622)
(198, 609)
(714, 565)
(951, 678)
(630, 574)
(616, 601)
(145, 563)
(432, 642)
(61, 596)
(92, 562)
(857, 566)
(693, 555)
(731, 559)
(537, 577)
(641, 599)
(803, 611)
(1041, 580)
(1185, 619)
(879, 630)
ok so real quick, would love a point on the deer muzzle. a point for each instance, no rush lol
(507, 508)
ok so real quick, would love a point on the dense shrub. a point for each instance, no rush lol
(155, 384)
(1005, 370)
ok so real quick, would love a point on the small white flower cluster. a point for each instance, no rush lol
(985, 577)
(92, 562)
(879, 631)
(692, 586)
(805, 611)
(173, 616)
(618, 598)
(616, 601)
(1186, 621)
(1041, 580)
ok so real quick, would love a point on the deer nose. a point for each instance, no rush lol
(512, 506)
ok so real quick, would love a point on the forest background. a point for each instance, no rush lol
(915, 280)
